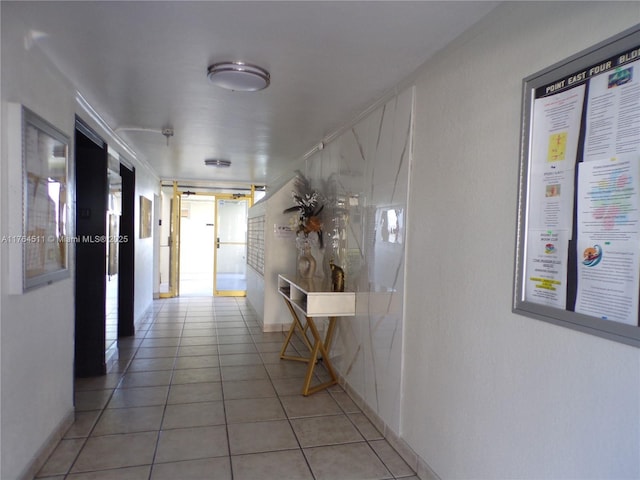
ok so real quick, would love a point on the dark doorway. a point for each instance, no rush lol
(127, 254)
(90, 282)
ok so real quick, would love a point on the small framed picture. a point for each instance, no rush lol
(145, 217)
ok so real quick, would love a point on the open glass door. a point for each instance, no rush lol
(230, 276)
(197, 241)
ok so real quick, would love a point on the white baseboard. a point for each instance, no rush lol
(276, 327)
(40, 458)
(417, 464)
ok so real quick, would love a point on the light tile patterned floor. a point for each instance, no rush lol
(201, 393)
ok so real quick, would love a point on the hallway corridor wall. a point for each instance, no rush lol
(487, 393)
(37, 327)
(473, 389)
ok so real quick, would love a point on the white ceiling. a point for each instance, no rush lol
(143, 65)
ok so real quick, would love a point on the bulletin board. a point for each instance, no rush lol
(578, 230)
(45, 202)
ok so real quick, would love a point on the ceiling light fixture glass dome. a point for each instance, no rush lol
(238, 76)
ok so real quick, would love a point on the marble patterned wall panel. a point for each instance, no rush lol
(351, 163)
(330, 165)
(371, 143)
(392, 160)
(365, 173)
(348, 352)
(383, 361)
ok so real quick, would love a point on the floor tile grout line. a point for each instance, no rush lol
(284, 410)
(102, 409)
(249, 322)
(224, 406)
(166, 403)
(345, 414)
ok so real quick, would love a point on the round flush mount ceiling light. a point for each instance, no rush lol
(217, 162)
(238, 76)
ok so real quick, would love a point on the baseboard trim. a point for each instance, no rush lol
(417, 464)
(276, 327)
(41, 456)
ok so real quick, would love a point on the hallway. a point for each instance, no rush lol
(201, 393)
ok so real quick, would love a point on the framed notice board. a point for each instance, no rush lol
(45, 155)
(578, 231)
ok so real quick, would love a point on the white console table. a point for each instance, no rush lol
(313, 298)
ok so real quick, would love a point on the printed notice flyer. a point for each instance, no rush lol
(547, 252)
(608, 238)
(613, 114)
(556, 129)
(608, 281)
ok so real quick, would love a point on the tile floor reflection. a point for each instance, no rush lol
(201, 393)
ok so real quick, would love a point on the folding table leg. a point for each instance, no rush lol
(303, 330)
(318, 347)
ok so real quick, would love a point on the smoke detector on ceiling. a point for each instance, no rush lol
(217, 162)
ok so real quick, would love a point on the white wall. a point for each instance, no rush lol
(147, 185)
(37, 328)
(487, 393)
(280, 257)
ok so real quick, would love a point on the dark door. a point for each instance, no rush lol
(90, 285)
(127, 254)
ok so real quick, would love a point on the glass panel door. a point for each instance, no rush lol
(170, 242)
(230, 277)
(114, 210)
(197, 240)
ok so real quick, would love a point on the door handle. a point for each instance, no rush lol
(218, 242)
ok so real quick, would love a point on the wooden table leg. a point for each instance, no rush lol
(329, 335)
(296, 324)
(319, 348)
